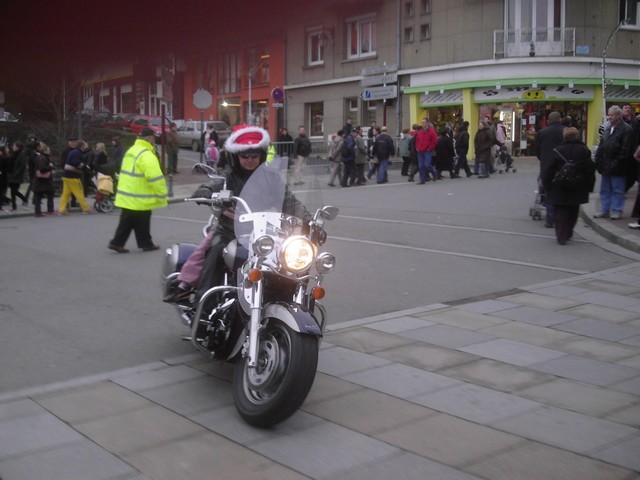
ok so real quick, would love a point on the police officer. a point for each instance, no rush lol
(141, 188)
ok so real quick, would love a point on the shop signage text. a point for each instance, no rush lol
(530, 94)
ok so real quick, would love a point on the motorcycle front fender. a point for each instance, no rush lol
(296, 317)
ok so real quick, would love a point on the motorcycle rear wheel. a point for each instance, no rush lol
(272, 391)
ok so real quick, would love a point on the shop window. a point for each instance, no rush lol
(315, 118)
(361, 37)
(315, 47)
(352, 105)
(228, 73)
(408, 9)
(425, 7)
(630, 13)
(408, 34)
(425, 31)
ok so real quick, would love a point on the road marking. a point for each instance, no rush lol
(464, 255)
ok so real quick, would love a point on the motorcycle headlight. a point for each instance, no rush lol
(297, 254)
(325, 262)
(263, 246)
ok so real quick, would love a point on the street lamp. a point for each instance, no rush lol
(252, 73)
(604, 69)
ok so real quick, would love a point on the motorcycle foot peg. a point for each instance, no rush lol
(186, 319)
(186, 338)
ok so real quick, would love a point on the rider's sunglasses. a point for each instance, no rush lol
(249, 155)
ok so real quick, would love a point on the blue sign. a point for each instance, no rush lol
(277, 94)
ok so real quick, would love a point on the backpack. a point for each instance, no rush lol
(568, 177)
(344, 149)
(211, 153)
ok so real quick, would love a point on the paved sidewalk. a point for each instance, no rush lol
(539, 383)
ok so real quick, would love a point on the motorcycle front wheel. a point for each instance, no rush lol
(273, 390)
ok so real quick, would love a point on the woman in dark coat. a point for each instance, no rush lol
(43, 180)
(17, 168)
(445, 153)
(566, 203)
(483, 144)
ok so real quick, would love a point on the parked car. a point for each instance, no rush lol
(190, 133)
(7, 117)
(94, 118)
(120, 121)
(154, 122)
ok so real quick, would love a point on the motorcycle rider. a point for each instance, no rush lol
(248, 147)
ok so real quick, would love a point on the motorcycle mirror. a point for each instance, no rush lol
(203, 169)
(328, 212)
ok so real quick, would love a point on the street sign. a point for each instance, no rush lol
(202, 99)
(379, 93)
(278, 104)
(379, 79)
(277, 94)
(378, 69)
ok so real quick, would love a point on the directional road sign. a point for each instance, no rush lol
(379, 93)
(377, 69)
(379, 79)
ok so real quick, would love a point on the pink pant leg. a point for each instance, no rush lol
(192, 268)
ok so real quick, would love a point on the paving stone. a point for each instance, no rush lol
(595, 348)
(368, 411)
(523, 332)
(338, 361)
(559, 290)
(207, 456)
(28, 434)
(496, 375)
(215, 368)
(91, 402)
(486, 306)
(608, 300)
(20, 408)
(631, 386)
(324, 449)
(139, 429)
(601, 285)
(405, 466)
(426, 357)
(449, 440)
(446, 336)
(400, 381)
(78, 461)
(626, 454)
(600, 312)
(568, 430)
(478, 404)
(599, 329)
(514, 353)
(399, 324)
(631, 362)
(586, 370)
(533, 461)
(158, 378)
(634, 341)
(627, 416)
(461, 318)
(325, 387)
(366, 340)
(579, 397)
(187, 398)
(545, 302)
(535, 316)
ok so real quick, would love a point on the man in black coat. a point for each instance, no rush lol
(549, 138)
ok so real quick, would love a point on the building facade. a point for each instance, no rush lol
(516, 60)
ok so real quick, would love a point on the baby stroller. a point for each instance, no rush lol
(105, 191)
(538, 208)
(503, 158)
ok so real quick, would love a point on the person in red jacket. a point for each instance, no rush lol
(426, 141)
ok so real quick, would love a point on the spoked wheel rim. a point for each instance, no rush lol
(265, 380)
(106, 205)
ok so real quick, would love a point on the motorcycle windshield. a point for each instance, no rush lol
(267, 196)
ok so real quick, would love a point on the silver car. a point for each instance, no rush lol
(190, 133)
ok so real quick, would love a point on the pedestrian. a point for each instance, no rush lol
(461, 146)
(349, 159)
(632, 172)
(404, 152)
(549, 138)
(5, 157)
(101, 158)
(426, 141)
(444, 153)
(285, 145)
(361, 157)
(335, 157)
(72, 142)
(413, 153)
(566, 201)
(374, 162)
(613, 153)
(301, 152)
(141, 189)
(383, 148)
(43, 183)
(483, 143)
(173, 147)
(348, 126)
(74, 170)
(207, 135)
(371, 134)
(117, 153)
(17, 168)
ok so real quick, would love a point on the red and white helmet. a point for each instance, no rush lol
(247, 137)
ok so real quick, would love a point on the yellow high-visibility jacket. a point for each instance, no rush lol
(141, 185)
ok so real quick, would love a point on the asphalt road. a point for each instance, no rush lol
(69, 307)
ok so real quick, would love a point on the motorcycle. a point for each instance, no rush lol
(266, 317)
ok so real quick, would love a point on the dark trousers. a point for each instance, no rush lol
(3, 189)
(406, 162)
(137, 220)
(359, 179)
(462, 163)
(37, 200)
(349, 173)
(173, 163)
(29, 190)
(566, 217)
(15, 192)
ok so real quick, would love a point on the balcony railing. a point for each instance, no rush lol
(542, 42)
